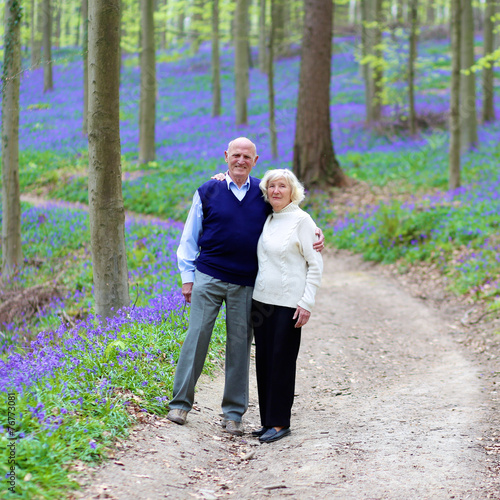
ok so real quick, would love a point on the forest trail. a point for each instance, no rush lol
(389, 405)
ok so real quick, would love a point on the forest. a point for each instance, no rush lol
(115, 111)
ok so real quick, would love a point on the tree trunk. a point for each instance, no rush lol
(314, 160)
(270, 83)
(262, 36)
(196, 24)
(377, 65)
(36, 34)
(411, 65)
(216, 89)
(164, 21)
(147, 105)
(488, 112)
(241, 61)
(366, 47)
(468, 114)
(180, 28)
(280, 47)
(11, 201)
(57, 22)
(106, 212)
(85, 18)
(431, 13)
(454, 156)
(47, 46)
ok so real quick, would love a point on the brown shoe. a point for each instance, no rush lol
(178, 416)
(233, 427)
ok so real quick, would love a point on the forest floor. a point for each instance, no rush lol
(396, 398)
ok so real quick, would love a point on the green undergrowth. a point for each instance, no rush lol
(79, 409)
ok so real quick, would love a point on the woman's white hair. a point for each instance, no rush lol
(290, 178)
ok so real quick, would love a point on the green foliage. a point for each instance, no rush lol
(80, 411)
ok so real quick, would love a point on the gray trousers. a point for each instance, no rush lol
(207, 297)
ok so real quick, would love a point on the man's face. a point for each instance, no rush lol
(241, 158)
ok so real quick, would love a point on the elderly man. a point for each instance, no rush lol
(217, 258)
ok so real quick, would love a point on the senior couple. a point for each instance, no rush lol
(247, 243)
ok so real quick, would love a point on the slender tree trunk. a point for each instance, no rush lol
(216, 88)
(147, 105)
(488, 112)
(454, 156)
(12, 256)
(270, 83)
(411, 65)
(314, 160)
(47, 47)
(196, 23)
(106, 211)
(241, 61)
(431, 13)
(468, 113)
(367, 47)
(163, 31)
(57, 22)
(180, 28)
(377, 65)
(280, 47)
(262, 36)
(85, 18)
(36, 40)
(77, 32)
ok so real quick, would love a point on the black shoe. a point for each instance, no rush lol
(273, 435)
(259, 432)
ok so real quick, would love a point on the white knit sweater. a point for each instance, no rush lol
(289, 268)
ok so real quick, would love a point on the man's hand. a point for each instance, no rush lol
(187, 288)
(320, 244)
(303, 316)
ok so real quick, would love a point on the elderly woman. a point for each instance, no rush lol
(288, 277)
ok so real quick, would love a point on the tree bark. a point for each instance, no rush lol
(488, 112)
(11, 200)
(196, 23)
(106, 211)
(377, 65)
(47, 47)
(85, 19)
(270, 83)
(367, 50)
(411, 65)
(57, 22)
(262, 36)
(371, 42)
(216, 88)
(36, 34)
(280, 46)
(468, 113)
(314, 160)
(454, 153)
(241, 61)
(147, 105)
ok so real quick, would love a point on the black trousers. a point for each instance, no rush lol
(277, 344)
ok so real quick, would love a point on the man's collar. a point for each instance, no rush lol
(230, 181)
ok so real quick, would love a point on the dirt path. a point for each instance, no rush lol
(389, 405)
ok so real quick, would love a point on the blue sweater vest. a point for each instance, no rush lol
(231, 231)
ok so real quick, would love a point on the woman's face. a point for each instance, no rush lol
(279, 193)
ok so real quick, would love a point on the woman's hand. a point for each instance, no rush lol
(218, 177)
(303, 316)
